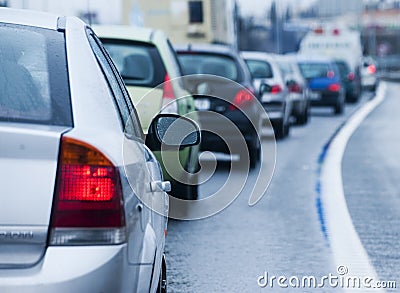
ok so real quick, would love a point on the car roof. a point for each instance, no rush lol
(29, 18)
(314, 59)
(258, 55)
(126, 32)
(206, 48)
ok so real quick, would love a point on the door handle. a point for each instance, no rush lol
(164, 186)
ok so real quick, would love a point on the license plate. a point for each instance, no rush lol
(202, 104)
(315, 96)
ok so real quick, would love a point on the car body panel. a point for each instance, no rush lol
(220, 93)
(129, 267)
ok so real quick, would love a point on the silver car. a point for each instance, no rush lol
(275, 96)
(83, 205)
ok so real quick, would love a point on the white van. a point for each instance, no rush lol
(333, 41)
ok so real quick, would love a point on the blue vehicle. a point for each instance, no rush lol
(324, 82)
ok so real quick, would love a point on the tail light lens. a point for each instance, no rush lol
(334, 87)
(169, 103)
(351, 76)
(88, 205)
(371, 69)
(276, 89)
(295, 88)
(243, 98)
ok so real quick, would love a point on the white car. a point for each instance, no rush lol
(83, 205)
(369, 78)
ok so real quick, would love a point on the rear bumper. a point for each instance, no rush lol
(326, 99)
(79, 269)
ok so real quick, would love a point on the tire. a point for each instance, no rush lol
(281, 129)
(184, 191)
(162, 283)
(255, 153)
(339, 108)
(304, 117)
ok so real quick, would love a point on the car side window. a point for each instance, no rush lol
(128, 115)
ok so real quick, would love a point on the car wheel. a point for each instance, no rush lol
(255, 153)
(279, 129)
(339, 108)
(184, 191)
(304, 117)
(162, 284)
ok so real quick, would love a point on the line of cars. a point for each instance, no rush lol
(92, 121)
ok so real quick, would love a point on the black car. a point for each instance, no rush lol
(229, 93)
(351, 81)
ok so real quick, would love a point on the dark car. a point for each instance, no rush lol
(231, 94)
(351, 81)
(324, 82)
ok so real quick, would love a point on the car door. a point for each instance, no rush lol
(143, 179)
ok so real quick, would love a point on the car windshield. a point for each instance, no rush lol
(259, 69)
(314, 70)
(214, 64)
(139, 63)
(33, 76)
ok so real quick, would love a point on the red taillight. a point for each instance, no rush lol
(334, 87)
(169, 104)
(351, 76)
(276, 89)
(295, 88)
(330, 74)
(242, 99)
(371, 69)
(168, 90)
(88, 194)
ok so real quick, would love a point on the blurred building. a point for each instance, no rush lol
(328, 8)
(186, 21)
(91, 11)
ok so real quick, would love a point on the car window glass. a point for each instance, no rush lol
(139, 64)
(260, 69)
(33, 79)
(314, 70)
(130, 122)
(209, 64)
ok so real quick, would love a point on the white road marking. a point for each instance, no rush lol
(344, 241)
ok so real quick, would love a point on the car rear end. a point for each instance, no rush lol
(326, 89)
(230, 94)
(269, 80)
(63, 221)
(350, 80)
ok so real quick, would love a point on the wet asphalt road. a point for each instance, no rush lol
(281, 235)
(371, 172)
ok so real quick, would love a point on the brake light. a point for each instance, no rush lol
(242, 99)
(318, 31)
(336, 32)
(169, 104)
(276, 89)
(295, 88)
(88, 205)
(371, 69)
(330, 74)
(334, 87)
(351, 76)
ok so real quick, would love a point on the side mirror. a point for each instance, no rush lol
(171, 131)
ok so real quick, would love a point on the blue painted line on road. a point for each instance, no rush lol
(318, 201)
